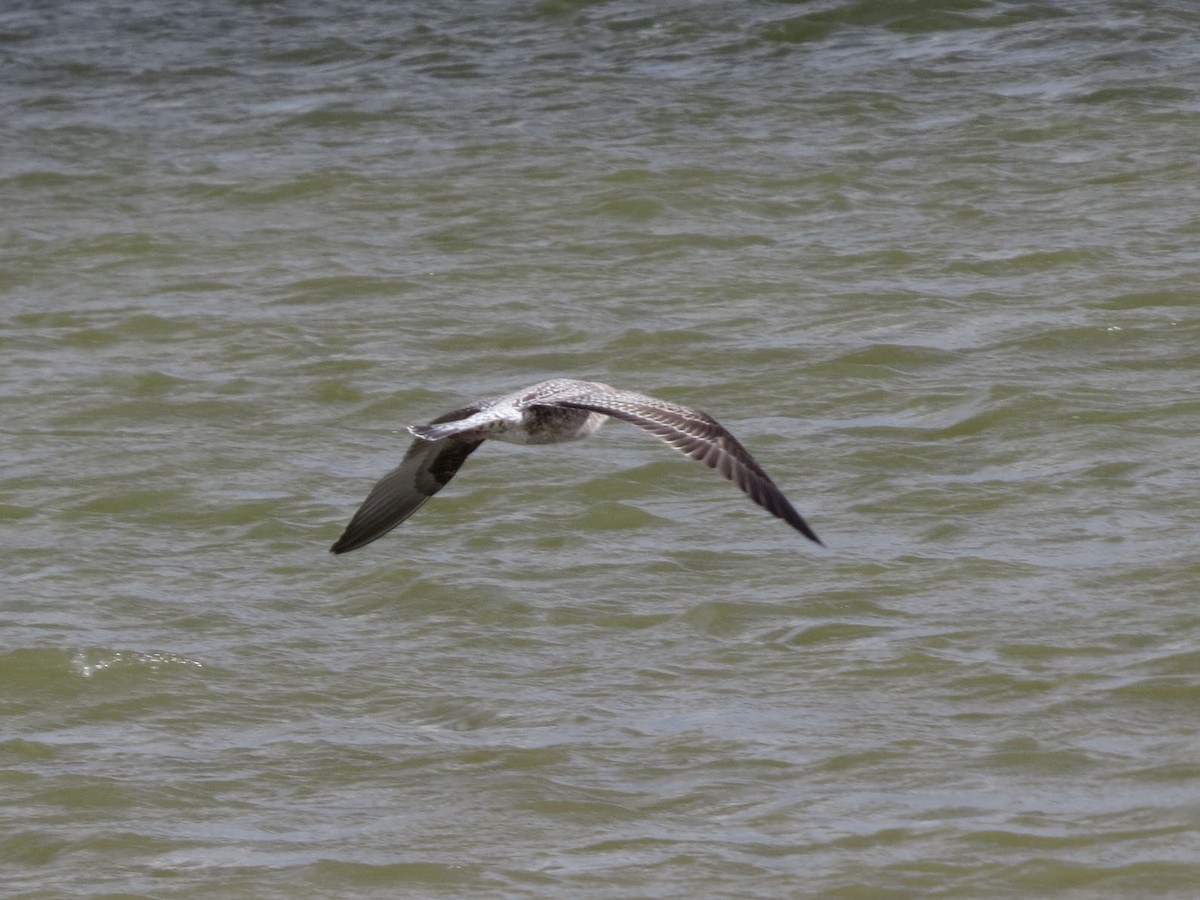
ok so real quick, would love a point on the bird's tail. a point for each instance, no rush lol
(436, 432)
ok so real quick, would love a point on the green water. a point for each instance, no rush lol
(934, 264)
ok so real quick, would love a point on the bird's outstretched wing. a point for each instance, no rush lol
(425, 470)
(695, 434)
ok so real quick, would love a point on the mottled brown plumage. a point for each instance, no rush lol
(550, 412)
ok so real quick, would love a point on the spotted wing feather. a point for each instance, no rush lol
(426, 468)
(699, 436)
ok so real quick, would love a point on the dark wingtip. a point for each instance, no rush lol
(812, 536)
(346, 543)
(797, 522)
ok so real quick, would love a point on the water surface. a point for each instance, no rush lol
(933, 262)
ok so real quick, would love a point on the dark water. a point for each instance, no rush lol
(934, 263)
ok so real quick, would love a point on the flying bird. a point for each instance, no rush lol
(551, 412)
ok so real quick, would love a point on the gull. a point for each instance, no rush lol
(551, 412)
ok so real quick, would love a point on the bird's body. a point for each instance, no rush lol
(552, 412)
(530, 416)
